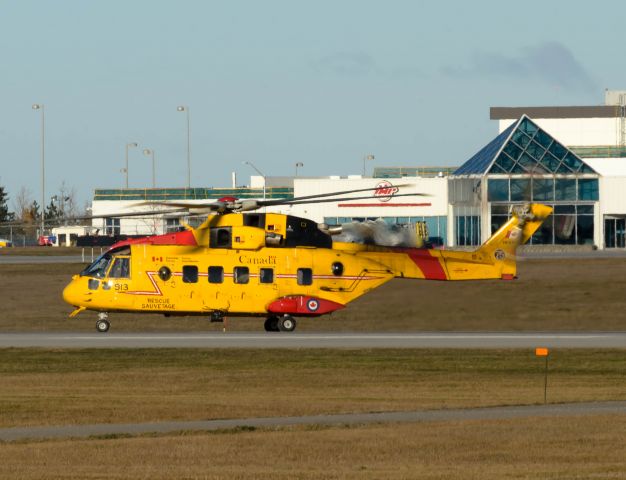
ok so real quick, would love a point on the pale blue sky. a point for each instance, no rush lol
(280, 82)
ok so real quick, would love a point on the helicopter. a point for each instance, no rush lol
(244, 262)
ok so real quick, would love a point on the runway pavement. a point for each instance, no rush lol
(489, 413)
(315, 340)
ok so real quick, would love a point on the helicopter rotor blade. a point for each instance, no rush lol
(346, 199)
(131, 214)
(270, 203)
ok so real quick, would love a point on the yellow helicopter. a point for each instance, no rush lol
(241, 262)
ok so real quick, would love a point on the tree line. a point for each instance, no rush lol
(25, 215)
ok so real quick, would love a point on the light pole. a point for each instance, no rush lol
(298, 164)
(132, 144)
(260, 173)
(40, 106)
(367, 157)
(185, 108)
(149, 152)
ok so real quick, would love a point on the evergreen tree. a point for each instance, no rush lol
(52, 212)
(33, 212)
(5, 216)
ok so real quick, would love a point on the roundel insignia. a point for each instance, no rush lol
(499, 254)
(313, 305)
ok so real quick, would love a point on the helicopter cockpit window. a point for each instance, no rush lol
(120, 268)
(242, 275)
(305, 276)
(98, 268)
(190, 274)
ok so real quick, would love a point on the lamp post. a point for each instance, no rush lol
(149, 152)
(185, 108)
(40, 106)
(132, 144)
(298, 164)
(367, 157)
(260, 173)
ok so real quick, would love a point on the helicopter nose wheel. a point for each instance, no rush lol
(102, 325)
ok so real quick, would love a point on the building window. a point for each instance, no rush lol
(588, 189)
(305, 276)
(216, 274)
(266, 275)
(520, 189)
(112, 226)
(468, 230)
(190, 274)
(543, 189)
(173, 225)
(565, 189)
(498, 190)
(242, 275)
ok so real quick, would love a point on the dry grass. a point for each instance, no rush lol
(41, 387)
(552, 294)
(547, 448)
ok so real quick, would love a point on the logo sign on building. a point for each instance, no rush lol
(385, 191)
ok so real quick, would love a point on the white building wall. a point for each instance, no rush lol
(433, 203)
(578, 132)
(613, 195)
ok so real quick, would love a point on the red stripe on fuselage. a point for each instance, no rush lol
(429, 265)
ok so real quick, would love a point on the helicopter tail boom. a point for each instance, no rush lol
(494, 259)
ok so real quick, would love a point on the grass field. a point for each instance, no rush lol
(546, 448)
(550, 294)
(52, 387)
(39, 387)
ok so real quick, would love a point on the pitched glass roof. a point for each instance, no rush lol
(524, 148)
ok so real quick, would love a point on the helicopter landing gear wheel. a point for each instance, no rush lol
(286, 323)
(271, 324)
(103, 325)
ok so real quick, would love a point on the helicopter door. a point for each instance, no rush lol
(118, 275)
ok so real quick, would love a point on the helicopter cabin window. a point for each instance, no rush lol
(190, 274)
(216, 274)
(305, 276)
(221, 237)
(120, 268)
(266, 275)
(242, 275)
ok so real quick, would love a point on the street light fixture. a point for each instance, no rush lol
(298, 164)
(132, 144)
(367, 157)
(40, 106)
(149, 152)
(185, 108)
(260, 173)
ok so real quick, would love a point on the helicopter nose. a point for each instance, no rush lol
(71, 293)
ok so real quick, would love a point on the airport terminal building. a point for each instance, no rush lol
(571, 158)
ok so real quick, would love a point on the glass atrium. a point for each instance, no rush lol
(525, 164)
